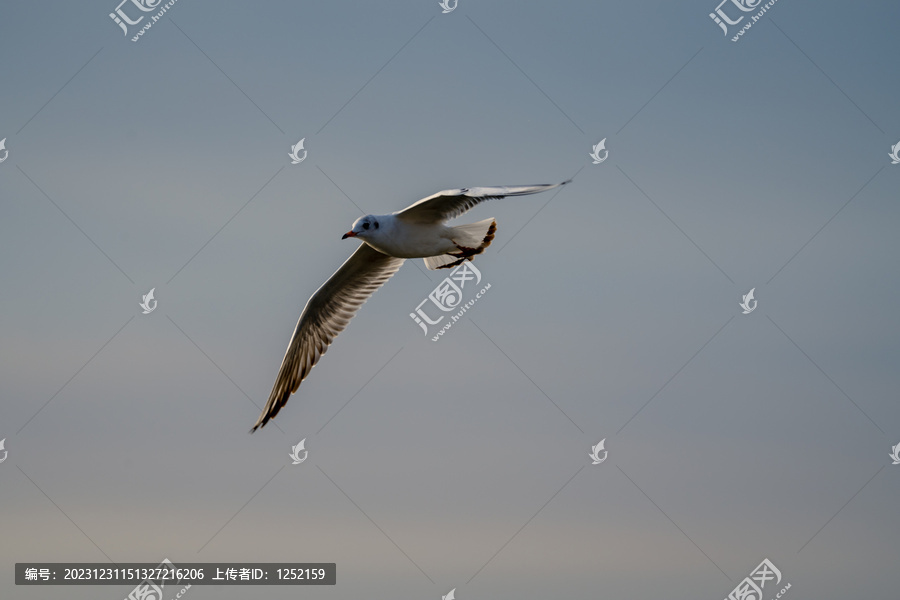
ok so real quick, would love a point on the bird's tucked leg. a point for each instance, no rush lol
(470, 240)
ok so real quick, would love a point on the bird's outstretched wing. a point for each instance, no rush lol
(452, 203)
(326, 315)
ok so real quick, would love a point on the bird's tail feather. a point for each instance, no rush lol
(470, 239)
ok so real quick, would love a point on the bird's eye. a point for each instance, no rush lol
(366, 225)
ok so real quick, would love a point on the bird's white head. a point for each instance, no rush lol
(363, 227)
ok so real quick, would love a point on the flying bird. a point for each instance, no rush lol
(417, 231)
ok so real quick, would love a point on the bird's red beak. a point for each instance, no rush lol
(348, 234)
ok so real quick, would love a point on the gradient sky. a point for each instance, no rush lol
(613, 310)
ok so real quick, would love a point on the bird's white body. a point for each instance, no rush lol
(410, 240)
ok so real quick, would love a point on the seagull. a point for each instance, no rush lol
(417, 231)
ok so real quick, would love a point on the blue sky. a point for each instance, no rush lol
(613, 311)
